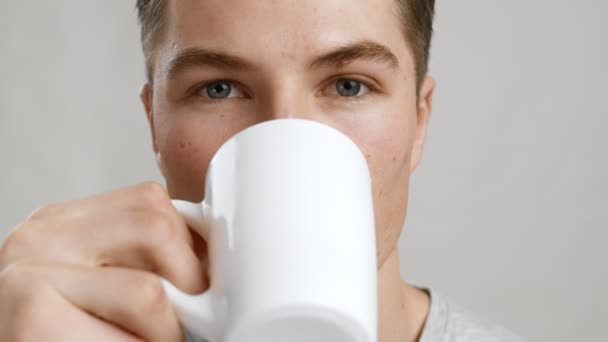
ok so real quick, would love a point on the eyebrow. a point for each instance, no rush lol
(337, 57)
(367, 50)
(202, 57)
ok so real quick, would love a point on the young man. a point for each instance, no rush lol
(88, 270)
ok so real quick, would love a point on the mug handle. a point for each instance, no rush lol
(199, 314)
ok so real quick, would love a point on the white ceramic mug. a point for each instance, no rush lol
(289, 225)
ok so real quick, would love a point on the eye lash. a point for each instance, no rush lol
(202, 85)
(372, 89)
(355, 78)
(194, 91)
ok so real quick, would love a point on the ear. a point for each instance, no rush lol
(145, 95)
(424, 107)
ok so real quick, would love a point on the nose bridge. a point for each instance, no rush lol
(287, 99)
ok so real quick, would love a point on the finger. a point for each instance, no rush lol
(131, 299)
(149, 241)
(134, 238)
(143, 195)
(76, 325)
(33, 310)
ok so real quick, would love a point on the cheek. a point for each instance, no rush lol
(387, 143)
(184, 160)
(186, 150)
(388, 157)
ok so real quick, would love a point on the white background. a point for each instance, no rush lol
(508, 212)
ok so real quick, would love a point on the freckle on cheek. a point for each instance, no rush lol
(185, 145)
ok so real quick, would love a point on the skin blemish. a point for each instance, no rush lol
(288, 55)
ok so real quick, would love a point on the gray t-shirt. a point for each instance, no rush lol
(450, 323)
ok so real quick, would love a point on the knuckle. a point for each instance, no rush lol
(44, 211)
(153, 194)
(9, 278)
(148, 293)
(14, 277)
(16, 242)
(159, 230)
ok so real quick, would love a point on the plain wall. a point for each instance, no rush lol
(507, 212)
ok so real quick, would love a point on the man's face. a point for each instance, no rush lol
(226, 65)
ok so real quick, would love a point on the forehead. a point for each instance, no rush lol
(288, 29)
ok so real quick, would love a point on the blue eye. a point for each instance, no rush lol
(348, 87)
(218, 89)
